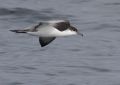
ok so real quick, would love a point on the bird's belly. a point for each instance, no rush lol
(52, 33)
(40, 34)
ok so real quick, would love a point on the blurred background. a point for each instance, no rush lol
(90, 60)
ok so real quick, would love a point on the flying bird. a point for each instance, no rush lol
(49, 30)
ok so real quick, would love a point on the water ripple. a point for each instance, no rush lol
(116, 3)
(92, 68)
(15, 83)
(31, 15)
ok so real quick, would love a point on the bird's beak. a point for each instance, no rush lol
(80, 34)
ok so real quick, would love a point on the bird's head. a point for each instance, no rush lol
(76, 31)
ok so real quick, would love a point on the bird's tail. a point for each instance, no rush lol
(19, 31)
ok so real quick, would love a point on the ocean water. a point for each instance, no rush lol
(90, 60)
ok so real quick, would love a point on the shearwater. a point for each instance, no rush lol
(49, 30)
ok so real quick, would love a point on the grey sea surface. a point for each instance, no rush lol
(90, 60)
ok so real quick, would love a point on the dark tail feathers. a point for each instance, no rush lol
(18, 31)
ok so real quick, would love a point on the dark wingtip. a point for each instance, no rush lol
(43, 45)
(18, 31)
(13, 30)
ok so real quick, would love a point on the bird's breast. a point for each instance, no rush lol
(52, 32)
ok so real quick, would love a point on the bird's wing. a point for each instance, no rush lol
(34, 27)
(61, 25)
(45, 40)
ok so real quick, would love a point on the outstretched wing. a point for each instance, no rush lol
(45, 40)
(34, 27)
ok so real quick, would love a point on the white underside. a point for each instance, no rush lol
(48, 31)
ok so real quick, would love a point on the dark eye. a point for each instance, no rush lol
(74, 29)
